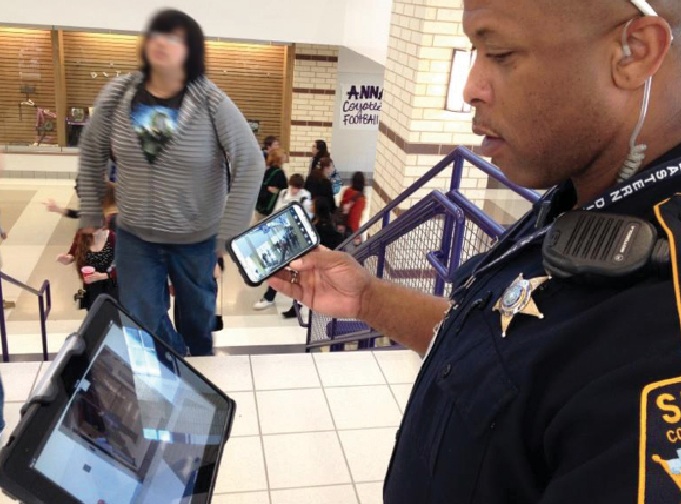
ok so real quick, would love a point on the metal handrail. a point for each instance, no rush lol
(435, 201)
(353, 337)
(456, 158)
(452, 205)
(44, 296)
(496, 173)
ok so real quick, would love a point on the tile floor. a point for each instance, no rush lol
(35, 239)
(309, 428)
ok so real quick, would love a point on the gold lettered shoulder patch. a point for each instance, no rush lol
(660, 443)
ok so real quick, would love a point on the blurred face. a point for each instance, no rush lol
(293, 190)
(167, 51)
(328, 170)
(275, 145)
(542, 89)
(315, 151)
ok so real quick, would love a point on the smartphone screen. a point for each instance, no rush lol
(274, 242)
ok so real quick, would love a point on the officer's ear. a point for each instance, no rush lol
(640, 50)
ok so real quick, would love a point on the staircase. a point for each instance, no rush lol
(421, 248)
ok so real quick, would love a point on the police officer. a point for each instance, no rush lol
(538, 389)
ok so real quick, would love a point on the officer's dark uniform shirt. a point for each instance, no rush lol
(552, 412)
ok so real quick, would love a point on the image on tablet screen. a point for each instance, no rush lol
(140, 428)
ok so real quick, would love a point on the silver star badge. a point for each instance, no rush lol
(517, 298)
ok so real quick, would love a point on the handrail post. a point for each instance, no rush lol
(445, 249)
(457, 172)
(43, 326)
(308, 332)
(48, 297)
(43, 294)
(3, 328)
(380, 263)
(457, 248)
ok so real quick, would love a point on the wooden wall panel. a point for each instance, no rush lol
(287, 109)
(25, 60)
(253, 77)
(86, 54)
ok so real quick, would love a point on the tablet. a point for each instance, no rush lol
(119, 418)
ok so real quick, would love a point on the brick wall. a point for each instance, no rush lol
(314, 92)
(417, 131)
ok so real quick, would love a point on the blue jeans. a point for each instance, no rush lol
(143, 269)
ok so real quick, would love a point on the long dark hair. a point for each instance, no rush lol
(322, 149)
(322, 152)
(358, 181)
(83, 244)
(166, 21)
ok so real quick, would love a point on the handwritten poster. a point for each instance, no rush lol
(360, 106)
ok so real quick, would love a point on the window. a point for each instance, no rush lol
(462, 61)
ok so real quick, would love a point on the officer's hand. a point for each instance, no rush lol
(332, 283)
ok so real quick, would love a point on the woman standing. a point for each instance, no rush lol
(319, 184)
(319, 152)
(274, 181)
(170, 129)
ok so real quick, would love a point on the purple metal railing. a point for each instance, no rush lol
(44, 296)
(456, 227)
(455, 160)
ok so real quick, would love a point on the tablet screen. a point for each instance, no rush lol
(140, 427)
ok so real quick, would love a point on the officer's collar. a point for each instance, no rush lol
(565, 197)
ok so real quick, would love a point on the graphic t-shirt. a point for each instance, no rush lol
(154, 120)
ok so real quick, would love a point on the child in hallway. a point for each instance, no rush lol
(295, 193)
(96, 251)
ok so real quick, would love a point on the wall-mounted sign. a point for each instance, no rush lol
(255, 125)
(360, 106)
(29, 57)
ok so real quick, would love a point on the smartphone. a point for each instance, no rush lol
(273, 243)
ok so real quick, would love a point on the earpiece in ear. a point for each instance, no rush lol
(626, 49)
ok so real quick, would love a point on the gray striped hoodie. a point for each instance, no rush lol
(182, 197)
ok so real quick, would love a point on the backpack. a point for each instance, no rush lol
(228, 167)
(265, 208)
(336, 182)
